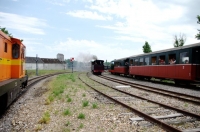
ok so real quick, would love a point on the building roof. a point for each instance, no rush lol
(33, 60)
(50, 60)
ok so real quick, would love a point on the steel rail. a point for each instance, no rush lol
(47, 75)
(157, 90)
(145, 116)
(163, 105)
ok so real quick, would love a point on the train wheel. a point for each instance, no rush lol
(3, 103)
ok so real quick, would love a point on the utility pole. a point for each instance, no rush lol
(72, 66)
(36, 60)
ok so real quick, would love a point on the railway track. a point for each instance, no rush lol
(39, 78)
(31, 82)
(153, 113)
(180, 96)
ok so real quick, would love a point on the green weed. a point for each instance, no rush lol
(94, 105)
(84, 95)
(45, 118)
(81, 116)
(69, 100)
(38, 128)
(71, 77)
(67, 112)
(85, 103)
(81, 125)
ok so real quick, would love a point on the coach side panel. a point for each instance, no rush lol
(182, 71)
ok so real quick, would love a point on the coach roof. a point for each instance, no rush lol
(161, 51)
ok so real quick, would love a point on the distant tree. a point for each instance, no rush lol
(6, 32)
(179, 41)
(198, 35)
(147, 48)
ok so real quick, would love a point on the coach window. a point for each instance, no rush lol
(141, 61)
(184, 58)
(146, 61)
(153, 60)
(15, 51)
(5, 47)
(135, 62)
(131, 62)
(161, 60)
(172, 58)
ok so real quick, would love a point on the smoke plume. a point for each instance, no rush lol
(84, 61)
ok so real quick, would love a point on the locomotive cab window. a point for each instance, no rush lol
(15, 51)
(117, 63)
(5, 47)
(184, 58)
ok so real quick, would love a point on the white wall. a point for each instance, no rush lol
(54, 66)
(32, 66)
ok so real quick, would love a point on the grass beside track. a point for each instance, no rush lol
(67, 101)
(32, 73)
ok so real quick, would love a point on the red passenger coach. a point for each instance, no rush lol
(181, 64)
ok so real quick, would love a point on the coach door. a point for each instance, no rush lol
(196, 60)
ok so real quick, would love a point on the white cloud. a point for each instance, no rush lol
(73, 48)
(90, 1)
(58, 2)
(22, 23)
(88, 15)
(140, 21)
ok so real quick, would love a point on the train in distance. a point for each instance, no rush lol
(97, 67)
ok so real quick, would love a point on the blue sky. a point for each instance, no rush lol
(108, 29)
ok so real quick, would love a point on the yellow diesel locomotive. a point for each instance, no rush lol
(12, 69)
